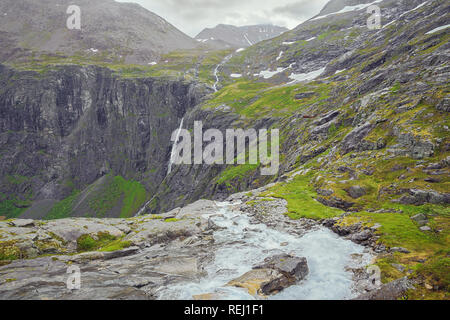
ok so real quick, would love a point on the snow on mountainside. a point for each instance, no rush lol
(236, 37)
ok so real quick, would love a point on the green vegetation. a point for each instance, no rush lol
(396, 88)
(63, 209)
(9, 251)
(238, 172)
(124, 195)
(12, 208)
(89, 243)
(177, 65)
(254, 100)
(116, 246)
(300, 196)
(129, 195)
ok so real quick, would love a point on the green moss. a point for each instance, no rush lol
(9, 251)
(116, 246)
(90, 243)
(388, 271)
(254, 99)
(172, 220)
(398, 230)
(436, 271)
(300, 196)
(396, 88)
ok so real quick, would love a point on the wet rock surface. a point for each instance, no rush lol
(162, 252)
(159, 253)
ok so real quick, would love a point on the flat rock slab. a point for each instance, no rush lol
(22, 223)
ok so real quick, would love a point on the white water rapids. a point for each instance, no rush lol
(241, 245)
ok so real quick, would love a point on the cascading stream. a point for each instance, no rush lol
(173, 154)
(216, 71)
(169, 167)
(241, 244)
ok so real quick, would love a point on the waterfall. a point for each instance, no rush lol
(216, 71)
(173, 155)
(169, 170)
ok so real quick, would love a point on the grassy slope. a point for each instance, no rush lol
(129, 196)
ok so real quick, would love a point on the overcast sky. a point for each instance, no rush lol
(192, 16)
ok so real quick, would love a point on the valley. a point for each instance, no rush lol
(87, 175)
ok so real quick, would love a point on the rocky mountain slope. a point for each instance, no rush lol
(229, 36)
(364, 127)
(111, 30)
(335, 6)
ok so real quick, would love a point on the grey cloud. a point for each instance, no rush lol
(192, 16)
(301, 10)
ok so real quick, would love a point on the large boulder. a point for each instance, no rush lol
(273, 275)
(420, 197)
(356, 192)
(390, 291)
(290, 266)
(261, 281)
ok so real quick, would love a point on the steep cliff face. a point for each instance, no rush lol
(84, 134)
(63, 130)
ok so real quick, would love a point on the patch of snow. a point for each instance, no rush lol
(280, 55)
(236, 75)
(93, 50)
(438, 29)
(419, 6)
(349, 9)
(246, 38)
(286, 43)
(152, 63)
(386, 25)
(267, 74)
(340, 71)
(240, 50)
(203, 40)
(313, 38)
(305, 76)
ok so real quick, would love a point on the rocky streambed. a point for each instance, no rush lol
(206, 250)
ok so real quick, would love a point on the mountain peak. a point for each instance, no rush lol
(236, 37)
(122, 29)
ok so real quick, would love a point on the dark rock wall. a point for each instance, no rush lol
(65, 128)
